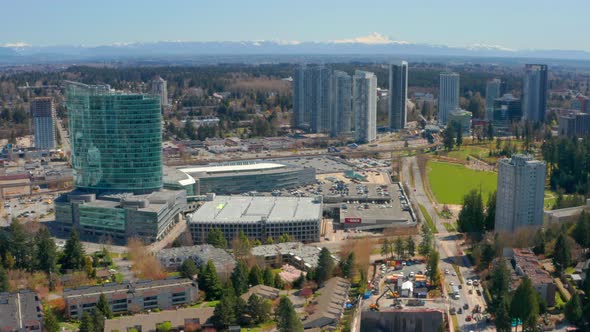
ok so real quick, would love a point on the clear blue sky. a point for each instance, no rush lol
(516, 24)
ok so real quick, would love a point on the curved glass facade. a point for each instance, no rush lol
(116, 139)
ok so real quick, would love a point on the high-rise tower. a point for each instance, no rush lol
(43, 114)
(534, 97)
(398, 95)
(364, 105)
(448, 96)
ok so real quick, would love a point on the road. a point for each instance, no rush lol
(450, 253)
(65, 139)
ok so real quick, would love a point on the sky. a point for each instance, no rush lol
(512, 24)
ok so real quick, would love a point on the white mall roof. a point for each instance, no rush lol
(232, 168)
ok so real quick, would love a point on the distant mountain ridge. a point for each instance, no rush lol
(26, 53)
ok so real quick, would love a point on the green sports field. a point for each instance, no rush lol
(450, 182)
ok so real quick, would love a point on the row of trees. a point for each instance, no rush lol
(568, 162)
(399, 248)
(475, 218)
(215, 238)
(94, 321)
(35, 250)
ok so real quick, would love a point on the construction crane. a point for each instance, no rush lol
(375, 306)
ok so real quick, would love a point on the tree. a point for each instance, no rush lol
(385, 248)
(449, 137)
(347, 265)
(459, 136)
(286, 317)
(73, 254)
(268, 277)
(573, 309)
(4, 285)
(399, 247)
(582, 230)
(432, 264)
(45, 251)
(298, 283)
(258, 309)
(410, 246)
(269, 240)
(286, 238)
(539, 242)
(239, 278)
(524, 304)
(103, 306)
(224, 314)
(216, 238)
(502, 320)
(97, 319)
(165, 326)
(279, 283)
(209, 281)
(241, 245)
(490, 215)
(86, 324)
(562, 253)
(499, 285)
(19, 246)
(188, 269)
(50, 322)
(325, 266)
(490, 132)
(427, 239)
(255, 276)
(471, 217)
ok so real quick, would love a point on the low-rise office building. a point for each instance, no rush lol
(575, 125)
(258, 217)
(132, 297)
(244, 176)
(121, 216)
(21, 312)
(186, 319)
(301, 256)
(329, 304)
(461, 117)
(524, 263)
(403, 320)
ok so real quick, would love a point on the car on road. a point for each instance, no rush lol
(453, 311)
(468, 318)
(475, 283)
(469, 282)
(446, 271)
(459, 311)
(452, 283)
(466, 306)
(478, 292)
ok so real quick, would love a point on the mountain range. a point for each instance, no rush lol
(372, 45)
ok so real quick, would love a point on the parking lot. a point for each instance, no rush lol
(34, 208)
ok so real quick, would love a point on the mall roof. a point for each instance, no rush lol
(248, 209)
(232, 168)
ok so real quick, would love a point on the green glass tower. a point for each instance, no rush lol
(116, 139)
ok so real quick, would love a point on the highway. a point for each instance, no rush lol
(450, 254)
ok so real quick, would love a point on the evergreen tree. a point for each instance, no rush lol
(255, 276)
(103, 306)
(502, 320)
(471, 217)
(347, 265)
(539, 242)
(50, 322)
(279, 283)
(209, 281)
(216, 238)
(582, 230)
(459, 136)
(97, 320)
(427, 240)
(410, 246)
(86, 324)
(20, 246)
(239, 278)
(385, 248)
(524, 304)
(449, 137)
(562, 253)
(490, 132)
(432, 264)
(73, 254)
(490, 215)
(268, 277)
(573, 309)
(399, 247)
(224, 314)
(286, 317)
(45, 251)
(325, 266)
(188, 268)
(298, 283)
(242, 317)
(4, 285)
(499, 285)
(258, 309)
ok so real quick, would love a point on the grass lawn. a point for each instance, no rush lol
(262, 327)
(449, 227)
(550, 199)
(450, 182)
(428, 218)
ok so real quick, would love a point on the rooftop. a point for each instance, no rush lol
(203, 253)
(18, 310)
(528, 263)
(124, 287)
(329, 303)
(250, 209)
(232, 168)
(149, 321)
(308, 254)
(263, 291)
